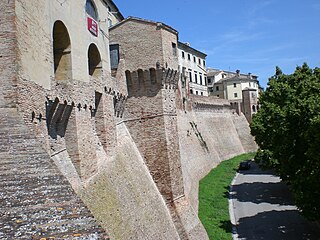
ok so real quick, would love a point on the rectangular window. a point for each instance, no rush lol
(182, 54)
(189, 57)
(234, 85)
(235, 95)
(217, 88)
(204, 63)
(199, 61)
(196, 77)
(190, 76)
(201, 83)
(114, 56)
(201, 93)
(194, 59)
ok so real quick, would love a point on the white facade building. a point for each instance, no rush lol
(115, 15)
(229, 85)
(192, 64)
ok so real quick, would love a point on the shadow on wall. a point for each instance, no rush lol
(58, 116)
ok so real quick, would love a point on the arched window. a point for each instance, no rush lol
(91, 9)
(61, 52)
(94, 61)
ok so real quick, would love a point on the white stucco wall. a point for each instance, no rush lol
(35, 21)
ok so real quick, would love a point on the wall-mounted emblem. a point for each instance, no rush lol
(93, 26)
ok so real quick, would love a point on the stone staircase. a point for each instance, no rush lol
(36, 200)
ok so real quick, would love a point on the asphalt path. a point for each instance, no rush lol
(261, 207)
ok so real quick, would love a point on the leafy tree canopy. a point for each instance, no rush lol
(287, 130)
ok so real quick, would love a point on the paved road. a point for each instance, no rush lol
(263, 209)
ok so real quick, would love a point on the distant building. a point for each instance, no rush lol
(114, 15)
(192, 64)
(242, 90)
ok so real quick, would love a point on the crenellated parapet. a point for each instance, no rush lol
(149, 82)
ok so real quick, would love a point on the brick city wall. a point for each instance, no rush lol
(214, 137)
(81, 125)
(73, 116)
(8, 54)
(151, 118)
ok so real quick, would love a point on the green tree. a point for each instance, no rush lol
(287, 130)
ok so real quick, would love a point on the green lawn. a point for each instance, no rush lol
(213, 198)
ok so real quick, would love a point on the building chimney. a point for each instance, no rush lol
(238, 72)
(250, 75)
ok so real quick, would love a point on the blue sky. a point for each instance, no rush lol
(250, 35)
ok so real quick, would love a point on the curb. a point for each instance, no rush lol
(231, 211)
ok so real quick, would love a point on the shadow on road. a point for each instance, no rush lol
(264, 209)
(255, 170)
(277, 225)
(258, 192)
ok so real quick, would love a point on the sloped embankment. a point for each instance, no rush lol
(206, 139)
(124, 197)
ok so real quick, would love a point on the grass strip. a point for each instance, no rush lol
(213, 198)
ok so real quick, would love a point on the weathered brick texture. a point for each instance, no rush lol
(153, 43)
(151, 119)
(8, 55)
(77, 123)
(36, 199)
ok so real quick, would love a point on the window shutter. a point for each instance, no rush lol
(114, 56)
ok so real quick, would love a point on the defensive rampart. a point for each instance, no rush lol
(70, 130)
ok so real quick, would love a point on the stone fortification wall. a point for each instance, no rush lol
(140, 182)
(243, 129)
(73, 117)
(151, 119)
(8, 55)
(152, 122)
(124, 197)
(214, 137)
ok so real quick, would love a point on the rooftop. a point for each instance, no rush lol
(187, 47)
(145, 21)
